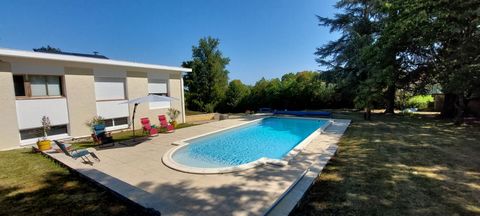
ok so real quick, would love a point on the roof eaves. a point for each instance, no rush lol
(79, 59)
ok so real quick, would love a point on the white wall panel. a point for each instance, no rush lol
(157, 75)
(110, 72)
(30, 112)
(112, 109)
(37, 69)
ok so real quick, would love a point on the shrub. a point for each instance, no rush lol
(420, 102)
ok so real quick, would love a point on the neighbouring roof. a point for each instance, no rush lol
(84, 59)
(75, 54)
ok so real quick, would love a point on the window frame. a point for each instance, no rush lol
(28, 88)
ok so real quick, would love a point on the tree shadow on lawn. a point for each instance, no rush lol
(61, 193)
(398, 165)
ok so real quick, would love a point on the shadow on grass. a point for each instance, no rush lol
(61, 193)
(396, 165)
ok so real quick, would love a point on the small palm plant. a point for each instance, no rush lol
(46, 126)
(173, 114)
(44, 144)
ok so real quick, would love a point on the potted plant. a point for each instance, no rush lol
(43, 143)
(173, 113)
(95, 121)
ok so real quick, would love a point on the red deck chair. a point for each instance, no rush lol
(147, 128)
(165, 124)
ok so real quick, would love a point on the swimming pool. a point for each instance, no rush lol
(242, 147)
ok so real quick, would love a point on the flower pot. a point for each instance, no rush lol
(44, 145)
(174, 123)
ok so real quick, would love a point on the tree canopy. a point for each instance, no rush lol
(236, 97)
(47, 49)
(208, 81)
(302, 90)
(389, 46)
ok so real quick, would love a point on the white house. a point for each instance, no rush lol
(72, 89)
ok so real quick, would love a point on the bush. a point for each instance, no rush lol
(420, 102)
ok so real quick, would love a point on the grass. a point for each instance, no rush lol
(191, 112)
(121, 136)
(31, 184)
(400, 165)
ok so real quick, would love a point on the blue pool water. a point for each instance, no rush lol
(269, 137)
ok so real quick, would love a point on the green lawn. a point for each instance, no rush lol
(398, 165)
(31, 184)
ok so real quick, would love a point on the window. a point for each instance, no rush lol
(19, 85)
(157, 87)
(107, 88)
(38, 132)
(108, 122)
(37, 86)
(121, 121)
(116, 121)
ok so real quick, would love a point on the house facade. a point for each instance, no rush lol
(71, 90)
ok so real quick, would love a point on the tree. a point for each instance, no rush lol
(458, 64)
(302, 90)
(207, 83)
(236, 95)
(258, 94)
(47, 49)
(359, 28)
(437, 42)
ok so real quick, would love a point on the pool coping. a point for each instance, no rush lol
(168, 160)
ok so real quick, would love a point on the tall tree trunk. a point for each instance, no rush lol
(448, 109)
(367, 114)
(459, 109)
(390, 99)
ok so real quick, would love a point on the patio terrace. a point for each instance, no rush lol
(138, 174)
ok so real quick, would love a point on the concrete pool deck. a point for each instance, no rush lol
(137, 173)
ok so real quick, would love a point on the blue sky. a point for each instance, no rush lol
(262, 38)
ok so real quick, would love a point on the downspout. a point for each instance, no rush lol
(182, 98)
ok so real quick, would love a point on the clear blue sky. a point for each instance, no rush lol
(263, 38)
